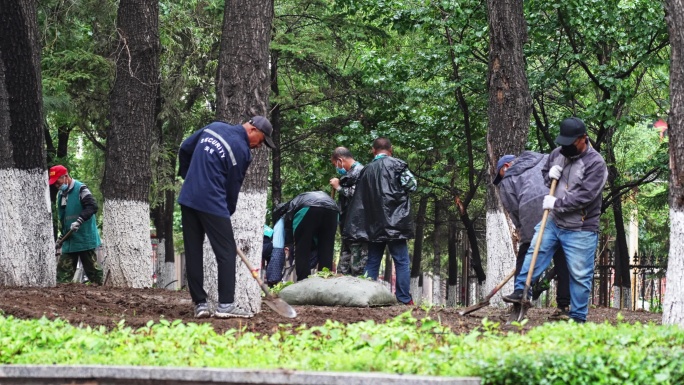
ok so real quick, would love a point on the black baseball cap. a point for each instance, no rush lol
(264, 126)
(570, 130)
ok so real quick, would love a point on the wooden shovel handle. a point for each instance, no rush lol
(255, 274)
(528, 282)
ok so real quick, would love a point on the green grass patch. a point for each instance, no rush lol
(556, 353)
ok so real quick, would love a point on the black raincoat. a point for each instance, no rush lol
(380, 209)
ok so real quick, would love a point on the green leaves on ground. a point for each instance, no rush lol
(558, 353)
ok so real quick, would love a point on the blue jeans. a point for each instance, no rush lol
(399, 251)
(579, 248)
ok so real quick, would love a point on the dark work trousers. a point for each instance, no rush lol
(560, 264)
(219, 230)
(320, 223)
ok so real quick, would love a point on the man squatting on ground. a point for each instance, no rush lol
(522, 190)
(76, 208)
(213, 161)
(573, 222)
(380, 214)
(353, 254)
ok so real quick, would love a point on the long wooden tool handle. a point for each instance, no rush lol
(528, 282)
(500, 285)
(332, 192)
(255, 274)
(60, 241)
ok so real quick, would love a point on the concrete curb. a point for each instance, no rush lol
(148, 375)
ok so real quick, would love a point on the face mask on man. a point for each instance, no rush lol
(64, 187)
(569, 151)
(340, 170)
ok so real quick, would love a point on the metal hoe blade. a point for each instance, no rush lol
(277, 304)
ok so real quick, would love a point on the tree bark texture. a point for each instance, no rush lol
(508, 112)
(242, 87)
(126, 186)
(673, 306)
(27, 245)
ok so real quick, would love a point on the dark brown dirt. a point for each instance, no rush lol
(94, 306)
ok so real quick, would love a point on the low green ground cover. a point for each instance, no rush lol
(556, 353)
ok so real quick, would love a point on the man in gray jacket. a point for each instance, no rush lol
(522, 190)
(573, 222)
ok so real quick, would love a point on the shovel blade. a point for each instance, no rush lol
(518, 313)
(281, 307)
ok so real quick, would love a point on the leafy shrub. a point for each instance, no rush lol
(557, 353)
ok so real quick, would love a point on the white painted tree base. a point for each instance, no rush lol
(436, 290)
(673, 304)
(27, 245)
(626, 297)
(248, 228)
(500, 255)
(415, 288)
(452, 298)
(127, 245)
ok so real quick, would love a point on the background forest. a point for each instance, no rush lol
(344, 72)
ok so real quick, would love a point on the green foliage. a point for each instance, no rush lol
(325, 273)
(555, 353)
(277, 288)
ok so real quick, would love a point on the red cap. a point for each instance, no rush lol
(56, 172)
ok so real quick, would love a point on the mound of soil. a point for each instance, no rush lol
(95, 306)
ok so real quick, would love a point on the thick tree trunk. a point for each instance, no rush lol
(673, 307)
(418, 249)
(509, 114)
(126, 212)
(242, 86)
(27, 245)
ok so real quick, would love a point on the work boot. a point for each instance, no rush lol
(562, 313)
(514, 297)
(202, 310)
(229, 310)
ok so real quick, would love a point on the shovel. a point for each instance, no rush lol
(519, 310)
(485, 301)
(60, 241)
(277, 304)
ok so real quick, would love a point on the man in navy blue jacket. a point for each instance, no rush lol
(213, 161)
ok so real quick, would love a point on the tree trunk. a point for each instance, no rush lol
(27, 245)
(437, 260)
(452, 282)
(673, 306)
(509, 114)
(418, 249)
(242, 86)
(622, 280)
(126, 186)
(276, 179)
